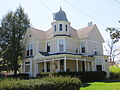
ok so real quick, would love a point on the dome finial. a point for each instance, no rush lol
(60, 8)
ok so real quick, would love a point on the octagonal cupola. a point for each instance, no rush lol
(60, 24)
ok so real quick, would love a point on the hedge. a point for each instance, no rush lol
(20, 76)
(83, 76)
(48, 83)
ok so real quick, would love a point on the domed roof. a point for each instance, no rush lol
(60, 16)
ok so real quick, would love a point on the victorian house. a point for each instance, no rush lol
(63, 48)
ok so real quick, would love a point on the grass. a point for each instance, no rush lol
(101, 86)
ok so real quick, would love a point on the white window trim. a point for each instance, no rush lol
(29, 48)
(64, 48)
(59, 27)
(81, 47)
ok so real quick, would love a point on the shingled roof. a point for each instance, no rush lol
(81, 33)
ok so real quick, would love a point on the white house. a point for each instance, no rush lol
(63, 48)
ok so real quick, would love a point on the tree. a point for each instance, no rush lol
(13, 28)
(112, 51)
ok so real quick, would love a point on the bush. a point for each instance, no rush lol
(20, 76)
(48, 83)
(84, 76)
(1, 76)
(114, 72)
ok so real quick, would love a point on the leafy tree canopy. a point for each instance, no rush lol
(13, 28)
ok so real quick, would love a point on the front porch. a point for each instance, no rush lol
(65, 63)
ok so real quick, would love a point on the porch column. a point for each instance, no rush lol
(88, 65)
(92, 65)
(85, 66)
(58, 65)
(45, 66)
(65, 63)
(77, 64)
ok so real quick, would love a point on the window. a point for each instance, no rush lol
(48, 66)
(66, 27)
(27, 66)
(60, 27)
(30, 35)
(61, 45)
(76, 50)
(82, 47)
(48, 46)
(55, 28)
(29, 50)
(99, 67)
(61, 65)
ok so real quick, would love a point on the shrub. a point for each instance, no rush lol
(114, 72)
(48, 83)
(1, 76)
(84, 76)
(20, 76)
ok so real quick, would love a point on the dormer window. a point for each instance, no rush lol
(66, 27)
(60, 27)
(55, 28)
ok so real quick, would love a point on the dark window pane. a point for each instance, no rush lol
(83, 49)
(31, 52)
(66, 27)
(48, 47)
(99, 67)
(61, 62)
(60, 27)
(55, 27)
(27, 62)
(27, 52)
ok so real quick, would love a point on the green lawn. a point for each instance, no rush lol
(101, 86)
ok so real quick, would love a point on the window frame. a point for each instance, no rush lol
(29, 49)
(82, 47)
(60, 27)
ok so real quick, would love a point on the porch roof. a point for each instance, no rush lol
(62, 55)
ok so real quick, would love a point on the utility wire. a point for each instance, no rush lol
(93, 10)
(45, 5)
(117, 1)
(83, 12)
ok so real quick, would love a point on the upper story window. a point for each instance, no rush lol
(82, 45)
(48, 46)
(61, 45)
(29, 50)
(60, 27)
(55, 28)
(66, 27)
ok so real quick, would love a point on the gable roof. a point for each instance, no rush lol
(81, 33)
(84, 32)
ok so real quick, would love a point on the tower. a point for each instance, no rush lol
(60, 24)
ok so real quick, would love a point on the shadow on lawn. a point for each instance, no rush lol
(109, 81)
(85, 84)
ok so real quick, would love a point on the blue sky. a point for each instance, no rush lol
(104, 13)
